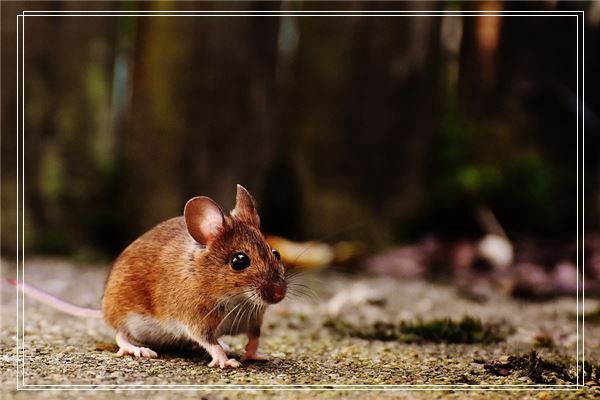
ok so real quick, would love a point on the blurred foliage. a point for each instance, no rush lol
(521, 189)
(377, 129)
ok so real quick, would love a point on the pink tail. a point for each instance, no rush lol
(55, 301)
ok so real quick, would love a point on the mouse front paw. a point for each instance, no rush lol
(224, 363)
(252, 353)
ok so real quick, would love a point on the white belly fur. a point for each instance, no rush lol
(145, 330)
(149, 331)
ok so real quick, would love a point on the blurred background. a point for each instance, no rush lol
(421, 145)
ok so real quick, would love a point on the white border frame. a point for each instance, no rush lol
(21, 385)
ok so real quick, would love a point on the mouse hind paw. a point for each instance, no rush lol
(126, 348)
(136, 351)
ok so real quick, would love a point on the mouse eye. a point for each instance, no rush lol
(276, 254)
(240, 261)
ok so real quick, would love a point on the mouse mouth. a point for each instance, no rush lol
(273, 292)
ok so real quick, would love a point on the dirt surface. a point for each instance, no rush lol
(309, 343)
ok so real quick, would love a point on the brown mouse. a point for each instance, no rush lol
(191, 279)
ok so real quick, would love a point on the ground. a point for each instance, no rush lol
(328, 339)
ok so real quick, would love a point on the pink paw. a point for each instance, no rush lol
(136, 352)
(223, 362)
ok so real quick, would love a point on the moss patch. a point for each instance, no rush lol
(465, 330)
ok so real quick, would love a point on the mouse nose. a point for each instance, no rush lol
(274, 292)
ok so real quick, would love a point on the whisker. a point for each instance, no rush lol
(298, 297)
(243, 305)
(244, 310)
(250, 315)
(301, 293)
(210, 312)
(310, 294)
(257, 306)
(300, 284)
(224, 318)
(303, 279)
(231, 331)
(301, 287)
(292, 295)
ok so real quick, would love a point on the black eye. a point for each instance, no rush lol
(240, 261)
(276, 254)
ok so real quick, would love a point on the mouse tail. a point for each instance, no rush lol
(55, 301)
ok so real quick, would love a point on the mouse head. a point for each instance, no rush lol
(236, 249)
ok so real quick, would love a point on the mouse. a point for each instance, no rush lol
(190, 280)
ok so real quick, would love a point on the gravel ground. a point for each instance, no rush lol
(305, 350)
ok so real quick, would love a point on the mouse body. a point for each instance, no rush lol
(193, 279)
(190, 280)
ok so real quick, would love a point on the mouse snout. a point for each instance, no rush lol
(274, 292)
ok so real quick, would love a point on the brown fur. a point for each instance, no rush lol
(167, 275)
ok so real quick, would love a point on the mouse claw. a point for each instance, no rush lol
(135, 351)
(223, 363)
(233, 363)
(146, 352)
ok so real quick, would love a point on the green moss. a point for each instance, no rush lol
(466, 330)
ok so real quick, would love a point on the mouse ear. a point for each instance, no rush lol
(245, 207)
(203, 217)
